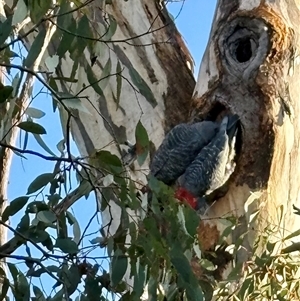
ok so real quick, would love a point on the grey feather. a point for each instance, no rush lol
(179, 148)
(214, 164)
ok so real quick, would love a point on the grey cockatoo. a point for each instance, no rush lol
(199, 157)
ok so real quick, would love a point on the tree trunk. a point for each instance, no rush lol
(4, 169)
(155, 49)
(157, 81)
(146, 40)
(251, 68)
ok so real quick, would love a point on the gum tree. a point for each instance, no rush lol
(118, 72)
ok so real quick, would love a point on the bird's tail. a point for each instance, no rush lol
(232, 125)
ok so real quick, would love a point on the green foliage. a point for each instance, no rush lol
(161, 248)
(40, 182)
(37, 9)
(72, 102)
(119, 263)
(67, 245)
(144, 89)
(5, 30)
(32, 127)
(119, 84)
(34, 113)
(5, 93)
(15, 206)
(142, 143)
(21, 13)
(35, 49)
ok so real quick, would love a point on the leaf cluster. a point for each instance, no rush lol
(153, 254)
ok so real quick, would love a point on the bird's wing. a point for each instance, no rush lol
(179, 149)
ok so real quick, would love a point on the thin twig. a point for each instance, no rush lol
(34, 260)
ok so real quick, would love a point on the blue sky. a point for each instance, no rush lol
(194, 22)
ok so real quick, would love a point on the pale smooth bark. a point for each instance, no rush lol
(4, 170)
(251, 68)
(147, 40)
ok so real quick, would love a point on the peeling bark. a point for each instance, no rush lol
(251, 68)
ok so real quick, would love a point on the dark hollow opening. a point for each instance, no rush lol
(215, 111)
(243, 50)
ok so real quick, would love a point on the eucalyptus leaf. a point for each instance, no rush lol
(42, 144)
(5, 93)
(67, 39)
(22, 289)
(102, 241)
(72, 102)
(5, 286)
(61, 146)
(25, 140)
(74, 278)
(208, 265)
(15, 206)
(183, 267)
(76, 228)
(111, 29)
(67, 245)
(38, 293)
(105, 75)
(85, 188)
(93, 81)
(76, 232)
(16, 83)
(5, 30)
(52, 62)
(21, 13)
(36, 273)
(36, 206)
(39, 236)
(47, 217)
(40, 182)
(142, 143)
(139, 279)
(38, 9)
(32, 127)
(35, 113)
(35, 48)
(142, 86)
(192, 220)
(24, 224)
(119, 84)
(108, 180)
(119, 265)
(53, 269)
(13, 270)
(108, 161)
